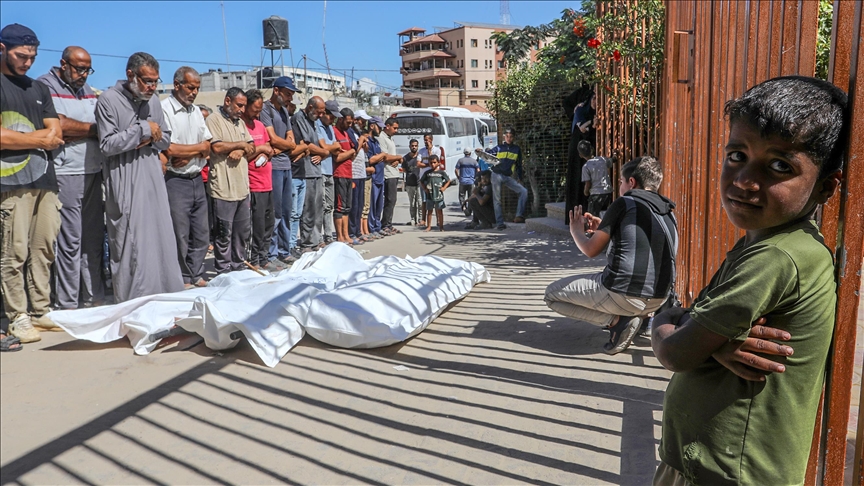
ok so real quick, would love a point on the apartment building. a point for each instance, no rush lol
(218, 80)
(453, 67)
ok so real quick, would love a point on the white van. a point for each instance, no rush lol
(454, 129)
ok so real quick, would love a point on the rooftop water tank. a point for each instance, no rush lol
(275, 32)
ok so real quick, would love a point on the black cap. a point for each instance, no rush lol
(18, 35)
(333, 108)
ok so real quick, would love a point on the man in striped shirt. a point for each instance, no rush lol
(640, 238)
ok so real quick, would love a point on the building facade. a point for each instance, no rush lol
(453, 67)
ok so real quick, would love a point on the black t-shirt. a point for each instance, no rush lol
(24, 103)
(412, 172)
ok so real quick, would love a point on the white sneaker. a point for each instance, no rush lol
(23, 329)
(44, 323)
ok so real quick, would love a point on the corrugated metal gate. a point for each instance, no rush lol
(714, 52)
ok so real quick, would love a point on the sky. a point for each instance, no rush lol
(358, 35)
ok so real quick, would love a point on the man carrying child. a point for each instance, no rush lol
(642, 236)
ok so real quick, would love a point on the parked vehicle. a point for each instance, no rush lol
(454, 129)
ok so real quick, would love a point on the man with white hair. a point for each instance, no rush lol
(132, 132)
(186, 156)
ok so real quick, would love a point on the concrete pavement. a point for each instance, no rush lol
(499, 390)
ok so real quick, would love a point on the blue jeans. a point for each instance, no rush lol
(282, 189)
(497, 181)
(298, 195)
(376, 207)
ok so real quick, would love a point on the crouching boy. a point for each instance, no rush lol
(722, 425)
(642, 237)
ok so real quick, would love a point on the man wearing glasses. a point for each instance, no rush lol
(78, 165)
(132, 132)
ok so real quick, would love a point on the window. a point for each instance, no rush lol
(473, 102)
(487, 84)
(473, 42)
(459, 127)
(474, 83)
(500, 64)
(420, 125)
(473, 63)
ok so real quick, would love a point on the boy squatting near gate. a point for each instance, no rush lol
(725, 422)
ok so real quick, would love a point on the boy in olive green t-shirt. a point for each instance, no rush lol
(725, 422)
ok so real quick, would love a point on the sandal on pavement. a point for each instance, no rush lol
(622, 334)
(8, 344)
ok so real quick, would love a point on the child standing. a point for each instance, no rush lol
(434, 183)
(595, 176)
(720, 424)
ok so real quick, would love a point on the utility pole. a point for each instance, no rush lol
(306, 79)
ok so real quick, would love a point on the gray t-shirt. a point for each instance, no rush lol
(81, 156)
(304, 130)
(596, 170)
(388, 146)
(281, 122)
(326, 134)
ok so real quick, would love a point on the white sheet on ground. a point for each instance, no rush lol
(334, 294)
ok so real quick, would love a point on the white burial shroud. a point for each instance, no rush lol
(333, 294)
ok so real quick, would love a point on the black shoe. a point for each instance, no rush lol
(622, 334)
(502, 227)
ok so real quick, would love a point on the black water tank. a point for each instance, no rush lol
(275, 32)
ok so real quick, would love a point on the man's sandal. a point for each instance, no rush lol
(7, 344)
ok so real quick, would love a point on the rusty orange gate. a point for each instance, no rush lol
(714, 52)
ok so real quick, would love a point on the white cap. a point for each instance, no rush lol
(362, 114)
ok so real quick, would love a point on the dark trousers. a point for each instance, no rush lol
(187, 199)
(282, 205)
(211, 216)
(312, 219)
(262, 227)
(376, 207)
(358, 199)
(482, 213)
(233, 225)
(389, 202)
(77, 266)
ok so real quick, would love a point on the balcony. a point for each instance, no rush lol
(417, 75)
(427, 54)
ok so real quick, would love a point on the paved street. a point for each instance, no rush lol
(498, 390)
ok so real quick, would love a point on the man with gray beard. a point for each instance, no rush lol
(132, 132)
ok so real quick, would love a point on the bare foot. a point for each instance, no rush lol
(428, 228)
(440, 228)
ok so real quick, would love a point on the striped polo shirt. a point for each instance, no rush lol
(81, 156)
(640, 257)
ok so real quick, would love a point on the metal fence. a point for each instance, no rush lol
(714, 52)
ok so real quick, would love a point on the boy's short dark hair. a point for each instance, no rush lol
(586, 150)
(802, 110)
(433, 157)
(646, 170)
